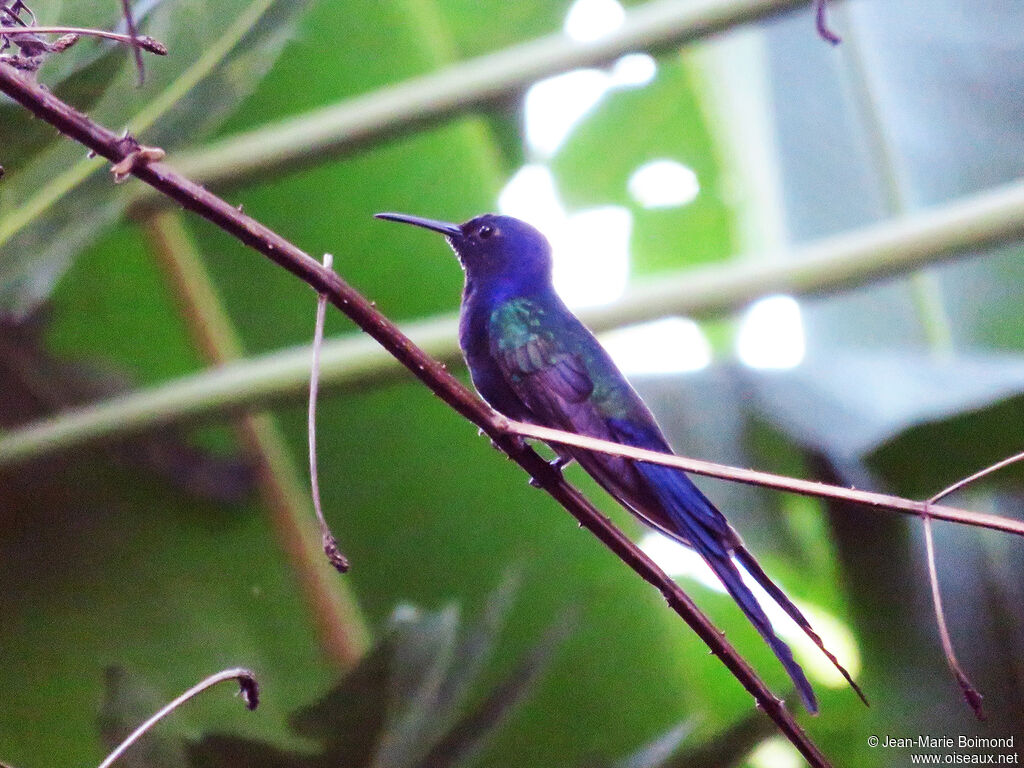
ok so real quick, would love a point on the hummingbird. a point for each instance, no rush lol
(533, 360)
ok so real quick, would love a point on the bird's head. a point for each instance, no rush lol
(492, 247)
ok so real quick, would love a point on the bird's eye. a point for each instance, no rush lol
(485, 231)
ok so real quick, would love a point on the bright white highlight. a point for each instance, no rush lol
(591, 255)
(590, 249)
(590, 20)
(775, 752)
(771, 335)
(531, 195)
(634, 70)
(669, 345)
(555, 106)
(663, 184)
(677, 560)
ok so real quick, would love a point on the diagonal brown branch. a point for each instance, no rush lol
(104, 142)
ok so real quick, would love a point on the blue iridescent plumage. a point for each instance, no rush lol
(533, 360)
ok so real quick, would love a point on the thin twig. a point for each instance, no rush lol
(879, 501)
(249, 231)
(143, 41)
(821, 23)
(133, 34)
(976, 476)
(329, 601)
(330, 544)
(971, 694)
(248, 689)
(15, 13)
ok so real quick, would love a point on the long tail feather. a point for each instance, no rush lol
(727, 571)
(703, 526)
(754, 569)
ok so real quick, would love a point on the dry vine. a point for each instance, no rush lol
(248, 689)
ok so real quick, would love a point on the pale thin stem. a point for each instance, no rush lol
(879, 501)
(144, 42)
(340, 627)
(977, 476)
(330, 544)
(248, 688)
(970, 692)
(133, 35)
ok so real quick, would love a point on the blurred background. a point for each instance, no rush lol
(725, 192)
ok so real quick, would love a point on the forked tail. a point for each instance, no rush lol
(698, 522)
(754, 569)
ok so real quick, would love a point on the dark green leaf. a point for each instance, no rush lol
(379, 714)
(219, 750)
(349, 719)
(469, 735)
(35, 384)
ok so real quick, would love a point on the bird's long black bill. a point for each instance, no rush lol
(451, 230)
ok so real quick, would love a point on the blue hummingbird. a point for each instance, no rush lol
(533, 360)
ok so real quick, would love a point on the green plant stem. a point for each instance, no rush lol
(827, 266)
(925, 288)
(339, 624)
(310, 137)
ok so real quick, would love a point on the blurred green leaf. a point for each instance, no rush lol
(24, 136)
(58, 203)
(35, 384)
(658, 753)
(384, 711)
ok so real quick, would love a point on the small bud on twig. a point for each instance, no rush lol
(139, 156)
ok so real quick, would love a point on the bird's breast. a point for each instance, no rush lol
(475, 341)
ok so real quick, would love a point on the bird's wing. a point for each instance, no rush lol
(550, 379)
(545, 360)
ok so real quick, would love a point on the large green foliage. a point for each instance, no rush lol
(105, 563)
